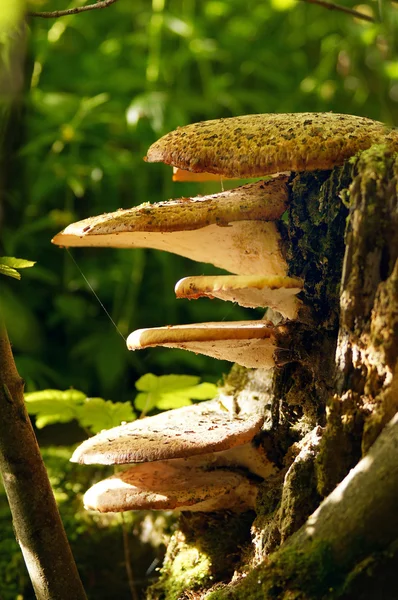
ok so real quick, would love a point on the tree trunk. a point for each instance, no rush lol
(37, 524)
(328, 404)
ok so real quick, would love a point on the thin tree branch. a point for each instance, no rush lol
(349, 11)
(37, 524)
(127, 560)
(71, 11)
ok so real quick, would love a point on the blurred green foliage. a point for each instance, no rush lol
(100, 88)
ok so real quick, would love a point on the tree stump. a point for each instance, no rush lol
(328, 402)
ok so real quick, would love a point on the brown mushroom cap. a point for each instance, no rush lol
(229, 230)
(258, 145)
(259, 201)
(211, 426)
(248, 343)
(169, 485)
(251, 291)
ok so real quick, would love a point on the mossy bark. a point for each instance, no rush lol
(330, 397)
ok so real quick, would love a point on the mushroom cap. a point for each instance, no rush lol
(229, 230)
(251, 291)
(248, 343)
(169, 485)
(257, 145)
(198, 429)
(259, 201)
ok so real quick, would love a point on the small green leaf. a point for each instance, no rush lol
(54, 406)
(9, 264)
(97, 414)
(170, 391)
(9, 272)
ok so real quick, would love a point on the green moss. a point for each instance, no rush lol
(236, 379)
(311, 572)
(190, 569)
(340, 447)
(288, 575)
(315, 237)
(373, 577)
(269, 497)
(205, 550)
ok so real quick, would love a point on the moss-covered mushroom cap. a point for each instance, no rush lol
(257, 145)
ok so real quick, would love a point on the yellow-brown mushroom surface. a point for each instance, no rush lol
(257, 145)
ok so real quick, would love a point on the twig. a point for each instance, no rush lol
(71, 11)
(349, 11)
(127, 560)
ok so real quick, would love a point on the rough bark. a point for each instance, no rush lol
(332, 394)
(37, 524)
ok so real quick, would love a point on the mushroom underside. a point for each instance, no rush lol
(278, 293)
(164, 486)
(248, 343)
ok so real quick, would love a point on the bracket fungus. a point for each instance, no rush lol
(234, 230)
(263, 144)
(170, 485)
(207, 456)
(251, 291)
(248, 343)
(202, 457)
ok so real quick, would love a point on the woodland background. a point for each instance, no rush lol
(100, 87)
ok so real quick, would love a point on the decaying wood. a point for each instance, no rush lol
(330, 400)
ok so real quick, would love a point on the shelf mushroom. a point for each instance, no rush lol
(264, 144)
(234, 230)
(171, 485)
(248, 343)
(200, 457)
(251, 291)
(207, 446)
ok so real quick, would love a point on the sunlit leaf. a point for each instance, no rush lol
(54, 406)
(171, 391)
(96, 414)
(9, 264)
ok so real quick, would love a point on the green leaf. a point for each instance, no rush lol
(171, 391)
(97, 414)
(150, 382)
(8, 272)
(9, 264)
(54, 406)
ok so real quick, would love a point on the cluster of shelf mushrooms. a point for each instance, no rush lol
(207, 456)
